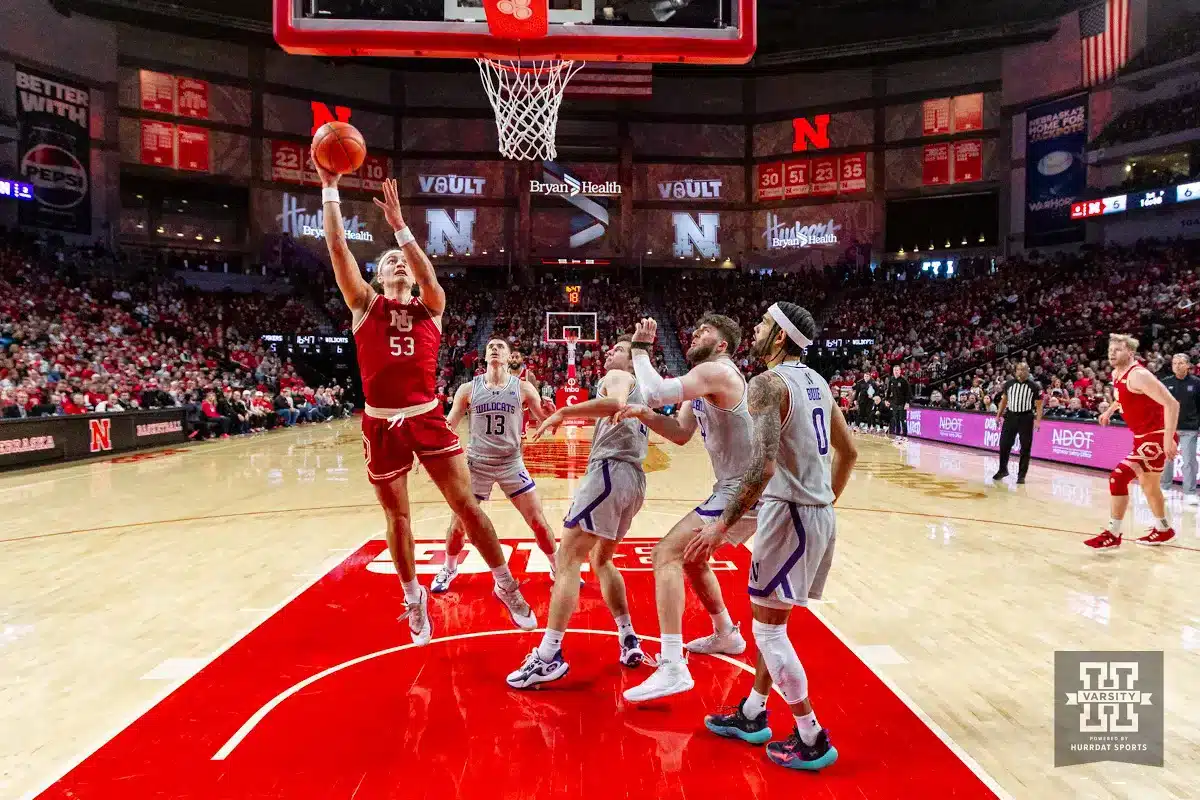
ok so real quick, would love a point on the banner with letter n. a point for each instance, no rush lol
(54, 150)
(1108, 706)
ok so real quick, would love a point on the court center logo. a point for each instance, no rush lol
(1108, 706)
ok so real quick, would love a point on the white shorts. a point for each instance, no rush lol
(609, 495)
(715, 505)
(512, 476)
(793, 551)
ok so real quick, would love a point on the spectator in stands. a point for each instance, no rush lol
(285, 409)
(212, 420)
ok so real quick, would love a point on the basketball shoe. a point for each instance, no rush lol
(1156, 536)
(670, 677)
(522, 615)
(535, 670)
(441, 581)
(1104, 541)
(631, 651)
(737, 725)
(417, 615)
(793, 753)
(730, 643)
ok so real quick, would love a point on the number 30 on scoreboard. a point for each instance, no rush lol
(573, 294)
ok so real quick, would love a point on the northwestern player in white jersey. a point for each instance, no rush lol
(609, 495)
(713, 397)
(802, 458)
(494, 401)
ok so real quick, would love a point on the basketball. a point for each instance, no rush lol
(338, 147)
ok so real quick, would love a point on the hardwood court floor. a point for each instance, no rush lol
(123, 578)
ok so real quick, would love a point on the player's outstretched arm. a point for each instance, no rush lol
(845, 453)
(355, 291)
(678, 430)
(460, 406)
(617, 385)
(433, 296)
(702, 380)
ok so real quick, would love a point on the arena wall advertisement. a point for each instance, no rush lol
(54, 151)
(689, 183)
(816, 234)
(41, 439)
(1084, 444)
(1055, 170)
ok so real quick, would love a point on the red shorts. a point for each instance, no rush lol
(389, 449)
(1148, 452)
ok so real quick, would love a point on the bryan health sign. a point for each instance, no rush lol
(1085, 444)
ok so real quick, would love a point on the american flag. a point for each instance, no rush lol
(1104, 39)
(602, 79)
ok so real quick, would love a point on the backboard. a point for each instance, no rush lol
(656, 31)
(561, 325)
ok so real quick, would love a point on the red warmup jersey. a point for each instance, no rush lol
(1141, 412)
(397, 353)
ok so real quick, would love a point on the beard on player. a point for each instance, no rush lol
(515, 362)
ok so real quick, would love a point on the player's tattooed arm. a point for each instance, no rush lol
(766, 394)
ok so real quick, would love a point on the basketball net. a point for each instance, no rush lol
(526, 95)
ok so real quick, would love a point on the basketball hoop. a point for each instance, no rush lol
(526, 96)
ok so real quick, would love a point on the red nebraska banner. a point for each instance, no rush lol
(968, 112)
(825, 176)
(372, 173)
(936, 165)
(796, 178)
(968, 160)
(193, 148)
(853, 173)
(287, 162)
(770, 181)
(158, 92)
(936, 116)
(193, 98)
(158, 143)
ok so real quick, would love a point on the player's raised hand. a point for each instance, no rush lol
(328, 179)
(633, 411)
(390, 204)
(645, 331)
(549, 425)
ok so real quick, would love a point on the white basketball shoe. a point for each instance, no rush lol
(417, 615)
(730, 643)
(670, 677)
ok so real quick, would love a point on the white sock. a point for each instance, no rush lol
(624, 626)
(722, 623)
(808, 728)
(452, 561)
(672, 647)
(504, 578)
(1164, 524)
(754, 705)
(412, 591)
(1114, 525)
(551, 644)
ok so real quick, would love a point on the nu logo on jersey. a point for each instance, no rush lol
(401, 320)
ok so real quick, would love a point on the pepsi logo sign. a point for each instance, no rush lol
(57, 176)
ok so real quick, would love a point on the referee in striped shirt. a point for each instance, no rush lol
(1019, 397)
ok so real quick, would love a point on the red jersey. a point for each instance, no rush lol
(397, 353)
(1141, 412)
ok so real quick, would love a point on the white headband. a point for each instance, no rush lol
(792, 331)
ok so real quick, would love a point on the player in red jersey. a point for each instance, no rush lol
(397, 334)
(1151, 414)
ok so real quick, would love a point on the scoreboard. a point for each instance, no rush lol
(574, 294)
(311, 344)
(1120, 203)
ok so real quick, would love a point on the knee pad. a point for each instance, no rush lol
(1119, 480)
(782, 662)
